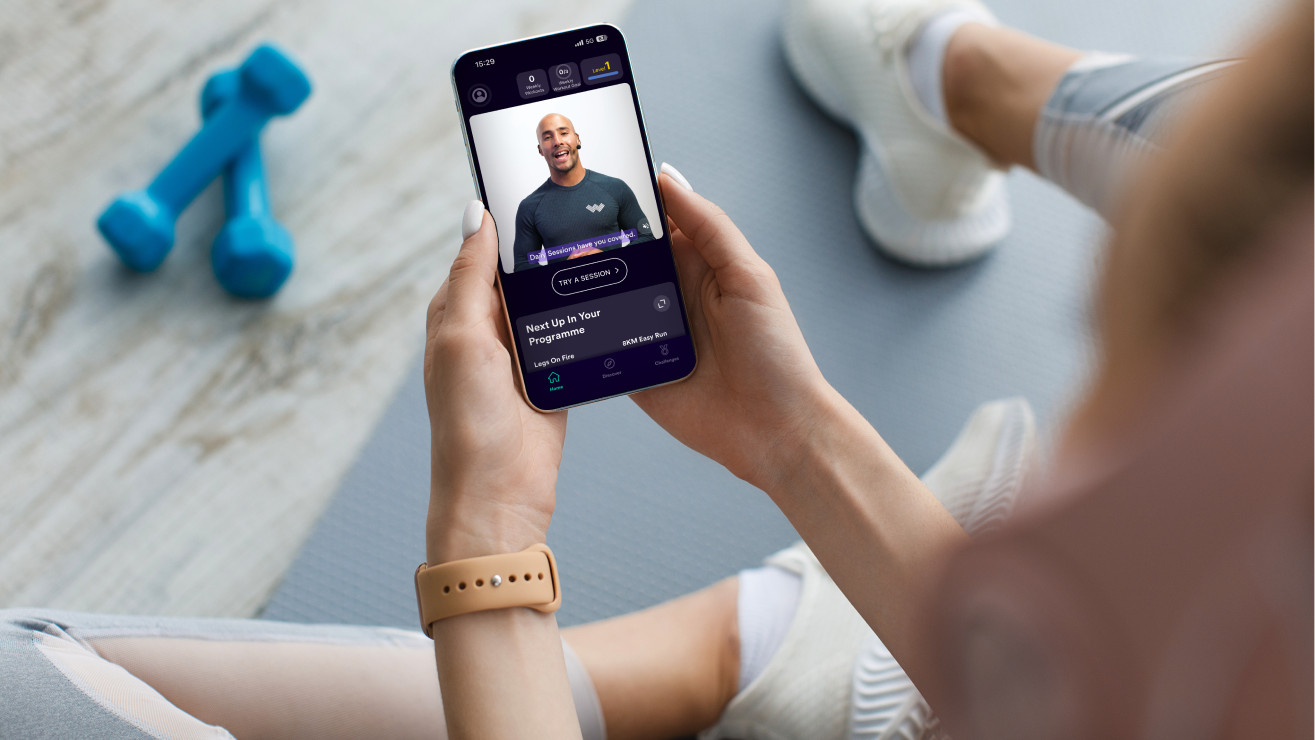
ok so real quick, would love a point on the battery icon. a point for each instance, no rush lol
(601, 38)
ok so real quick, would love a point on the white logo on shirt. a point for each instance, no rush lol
(595, 208)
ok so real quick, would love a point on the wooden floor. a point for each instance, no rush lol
(164, 448)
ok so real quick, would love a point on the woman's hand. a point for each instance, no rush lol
(758, 404)
(494, 459)
(757, 392)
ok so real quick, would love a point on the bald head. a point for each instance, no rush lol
(554, 121)
(559, 145)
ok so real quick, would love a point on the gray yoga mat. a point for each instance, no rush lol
(640, 518)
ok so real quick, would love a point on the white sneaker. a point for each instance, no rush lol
(979, 476)
(832, 678)
(924, 194)
(978, 480)
(804, 691)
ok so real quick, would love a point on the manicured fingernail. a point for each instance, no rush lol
(471, 219)
(674, 174)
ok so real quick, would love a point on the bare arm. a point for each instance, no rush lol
(759, 405)
(501, 671)
(494, 473)
(882, 536)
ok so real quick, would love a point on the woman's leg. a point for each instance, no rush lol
(995, 81)
(661, 672)
(89, 675)
(1083, 121)
(54, 685)
(270, 679)
(666, 671)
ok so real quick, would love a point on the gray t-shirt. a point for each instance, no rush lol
(556, 216)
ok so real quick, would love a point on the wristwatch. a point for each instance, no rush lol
(526, 578)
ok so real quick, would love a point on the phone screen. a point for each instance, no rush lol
(561, 159)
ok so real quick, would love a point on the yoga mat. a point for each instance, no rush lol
(640, 518)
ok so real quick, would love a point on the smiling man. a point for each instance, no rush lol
(575, 212)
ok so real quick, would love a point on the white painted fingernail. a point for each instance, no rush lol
(674, 174)
(472, 219)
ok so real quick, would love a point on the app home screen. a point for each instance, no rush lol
(586, 269)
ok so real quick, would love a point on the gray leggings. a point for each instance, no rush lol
(54, 683)
(1103, 120)
(1107, 117)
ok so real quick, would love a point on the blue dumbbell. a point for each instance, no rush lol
(252, 256)
(140, 225)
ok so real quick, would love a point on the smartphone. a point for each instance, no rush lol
(560, 157)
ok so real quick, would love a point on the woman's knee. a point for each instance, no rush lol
(54, 683)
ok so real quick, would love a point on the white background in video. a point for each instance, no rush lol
(508, 156)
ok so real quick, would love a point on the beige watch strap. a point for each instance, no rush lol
(526, 578)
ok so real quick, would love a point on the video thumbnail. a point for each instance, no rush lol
(548, 205)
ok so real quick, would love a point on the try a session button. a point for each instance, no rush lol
(587, 277)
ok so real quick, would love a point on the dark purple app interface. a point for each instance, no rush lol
(563, 164)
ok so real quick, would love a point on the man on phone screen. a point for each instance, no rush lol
(575, 212)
